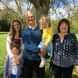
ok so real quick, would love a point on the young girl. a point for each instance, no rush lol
(12, 67)
(47, 33)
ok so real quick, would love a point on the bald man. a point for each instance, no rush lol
(31, 37)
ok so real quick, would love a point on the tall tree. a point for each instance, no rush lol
(18, 5)
(41, 6)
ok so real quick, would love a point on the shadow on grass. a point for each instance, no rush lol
(3, 32)
(1, 74)
(75, 76)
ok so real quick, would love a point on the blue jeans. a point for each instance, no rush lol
(13, 76)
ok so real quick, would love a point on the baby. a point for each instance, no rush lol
(47, 34)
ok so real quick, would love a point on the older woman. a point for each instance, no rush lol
(65, 54)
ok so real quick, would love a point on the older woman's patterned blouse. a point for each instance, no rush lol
(65, 53)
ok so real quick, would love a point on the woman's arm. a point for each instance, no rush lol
(6, 68)
(75, 49)
(8, 42)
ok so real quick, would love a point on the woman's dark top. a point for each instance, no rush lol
(65, 53)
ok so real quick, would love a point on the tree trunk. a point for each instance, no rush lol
(41, 6)
(19, 10)
(41, 11)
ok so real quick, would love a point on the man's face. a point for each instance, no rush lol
(30, 19)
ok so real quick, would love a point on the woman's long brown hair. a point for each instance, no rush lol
(13, 31)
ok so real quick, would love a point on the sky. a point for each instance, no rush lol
(60, 11)
(12, 5)
(1, 6)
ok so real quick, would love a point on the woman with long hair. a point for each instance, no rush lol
(13, 35)
(13, 60)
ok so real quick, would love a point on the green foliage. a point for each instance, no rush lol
(4, 26)
(54, 24)
(74, 29)
(74, 21)
(6, 16)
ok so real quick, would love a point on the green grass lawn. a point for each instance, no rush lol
(3, 53)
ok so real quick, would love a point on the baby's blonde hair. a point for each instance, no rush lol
(45, 19)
